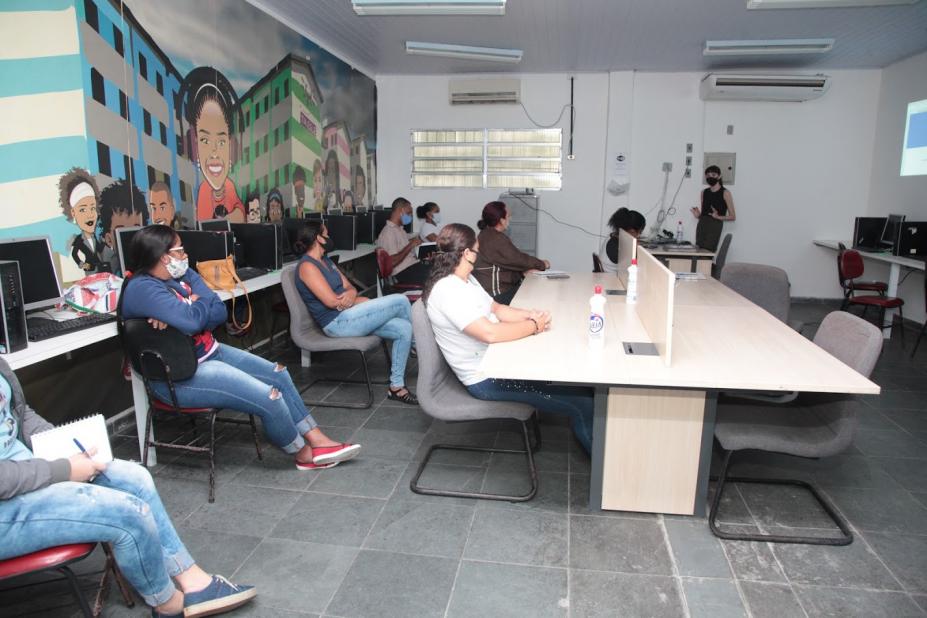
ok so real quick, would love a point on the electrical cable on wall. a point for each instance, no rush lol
(564, 223)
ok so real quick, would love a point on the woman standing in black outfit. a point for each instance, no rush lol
(717, 207)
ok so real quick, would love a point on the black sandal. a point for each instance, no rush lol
(408, 398)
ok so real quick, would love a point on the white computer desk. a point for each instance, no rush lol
(896, 263)
(695, 260)
(654, 423)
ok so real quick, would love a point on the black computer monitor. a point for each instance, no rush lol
(41, 287)
(314, 215)
(335, 211)
(201, 246)
(360, 210)
(124, 237)
(380, 217)
(364, 230)
(259, 244)
(215, 225)
(891, 231)
(867, 232)
(342, 233)
(291, 227)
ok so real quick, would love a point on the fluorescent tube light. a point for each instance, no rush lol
(770, 47)
(429, 7)
(820, 4)
(466, 52)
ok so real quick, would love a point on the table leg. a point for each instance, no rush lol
(893, 276)
(140, 401)
(598, 447)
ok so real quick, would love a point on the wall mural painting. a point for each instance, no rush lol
(173, 112)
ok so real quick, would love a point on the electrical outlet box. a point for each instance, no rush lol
(688, 148)
(667, 166)
(689, 161)
(727, 161)
(688, 172)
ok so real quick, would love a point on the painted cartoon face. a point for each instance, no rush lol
(317, 183)
(254, 211)
(300, 188)
(348, 202)
(214, 149)
(84, 213)
(161, 207)
(275, 211)
(121, 219)
(360, 188)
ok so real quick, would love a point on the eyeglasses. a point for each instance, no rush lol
(178, 249)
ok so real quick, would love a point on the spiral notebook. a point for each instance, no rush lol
(57, 443)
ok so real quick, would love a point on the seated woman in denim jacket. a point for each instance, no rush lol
(48, 503)
(335, 306)
(167, 293)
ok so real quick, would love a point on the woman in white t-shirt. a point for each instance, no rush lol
(430, 214)
(466, 320)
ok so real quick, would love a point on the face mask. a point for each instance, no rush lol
(436, 217)
(476, 254)
(712, 181)
(177, 268)
(406, 219)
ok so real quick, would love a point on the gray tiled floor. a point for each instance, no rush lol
(355, 541)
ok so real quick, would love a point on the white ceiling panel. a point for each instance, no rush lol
(609, 35)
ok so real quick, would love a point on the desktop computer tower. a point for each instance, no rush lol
(12, 310)
(912, 240)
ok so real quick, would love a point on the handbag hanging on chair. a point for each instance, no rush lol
(221, 275)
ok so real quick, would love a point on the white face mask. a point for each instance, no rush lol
(177, 268)
(436, 217)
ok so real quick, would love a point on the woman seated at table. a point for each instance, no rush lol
(335, 306)
(165, 292)
(44, 504)
(500, 266)
(466, 320)
(631, 222)
(430, 214)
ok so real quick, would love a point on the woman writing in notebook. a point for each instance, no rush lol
(44, 504)
(335, 306)
(717, 207)
(166, 293)
(465, 320)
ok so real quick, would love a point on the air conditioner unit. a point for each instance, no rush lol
(720, 86)
(484, 91)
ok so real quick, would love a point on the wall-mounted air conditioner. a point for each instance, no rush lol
(484, 91)
(721, 86)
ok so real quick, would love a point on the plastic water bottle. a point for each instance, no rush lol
(679, 232)
(597, 316)
(631, 293)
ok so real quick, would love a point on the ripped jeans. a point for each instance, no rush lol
(240, 381)
(122, 509)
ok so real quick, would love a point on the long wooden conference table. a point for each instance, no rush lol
(654, 422)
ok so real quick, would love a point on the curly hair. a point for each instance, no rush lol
(66, 184)
(453, 240)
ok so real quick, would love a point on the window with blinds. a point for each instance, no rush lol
(487, 158)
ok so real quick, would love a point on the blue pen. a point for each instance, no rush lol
(84, 451)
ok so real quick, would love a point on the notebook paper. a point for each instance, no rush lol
(57, 443)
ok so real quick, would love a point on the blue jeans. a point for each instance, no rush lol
(389, 317)
(574, 401)
(240, 381)
(122, 509)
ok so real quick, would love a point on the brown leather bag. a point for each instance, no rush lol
(221, 275)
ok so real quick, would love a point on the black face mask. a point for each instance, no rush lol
(712, 181)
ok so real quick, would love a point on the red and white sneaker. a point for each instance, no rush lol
(307, 465)
(334, 454)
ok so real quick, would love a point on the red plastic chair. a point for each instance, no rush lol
(412, 291)
(59, 559)
(849, 269)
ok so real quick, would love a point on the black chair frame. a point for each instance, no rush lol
(881, 323)
(367, 380)
(845, 538)
(528, 451)
(189, 441)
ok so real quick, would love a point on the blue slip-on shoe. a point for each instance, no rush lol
(219, 596)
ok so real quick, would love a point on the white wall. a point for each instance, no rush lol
(902, 83)
(803, 169)
(405, 103)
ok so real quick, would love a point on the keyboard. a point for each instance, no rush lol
(41, 328)
(249, 272)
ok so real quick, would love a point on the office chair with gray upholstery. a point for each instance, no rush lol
(765, 286)
(814, 425)
(442, 396)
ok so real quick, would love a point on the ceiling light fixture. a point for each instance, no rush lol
(821, 4)
(465, 52)
(770, 47)
(429, 7)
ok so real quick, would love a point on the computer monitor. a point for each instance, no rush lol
(342, 233)
(380, 217)
(41, 287)
(314, 215)
(891, 231)
(378, 207)
(124, 237)
(867, 232)
(201, 246)
(291, 229)
(215, 225)
(360, 210)
(259, 244)
(336, 211)
(364, 230)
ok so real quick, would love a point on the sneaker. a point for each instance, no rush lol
(337, 453)
(308, 465)
(219, 596)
